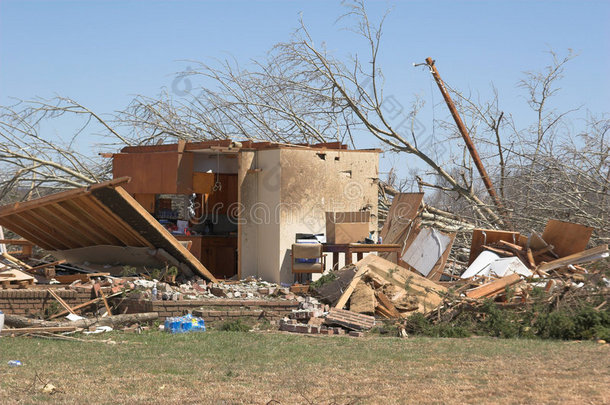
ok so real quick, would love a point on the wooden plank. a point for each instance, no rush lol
(121, 229)
(162, 232)
(53, 226)
(53, 198)
(101, 235)
(18, 262)
(61, 301)
(482, 237)
(362, 299)
(70, 278)
(13, 223)
(70, 223)
(45, 265)
(84, 305)
(50, 231)
(48, 329)
(350, 287)
(112, 224)
(387, 304)
(404, 208)
(493, 288)
(428, 293)
(568, 238)
(576, 258)
(103, 296)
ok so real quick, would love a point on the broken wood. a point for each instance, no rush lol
(588, 255)
(51, 329)
(16, 261)
(69, 279)
(84, 305)
(494, 288)
(61, 301)
(387, 305)
(351, 286)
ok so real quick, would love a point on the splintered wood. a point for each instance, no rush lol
(389, 290)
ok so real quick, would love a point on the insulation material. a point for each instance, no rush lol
(490, 264)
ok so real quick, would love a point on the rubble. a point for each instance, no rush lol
(502, 266)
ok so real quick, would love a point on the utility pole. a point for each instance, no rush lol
(469, 144)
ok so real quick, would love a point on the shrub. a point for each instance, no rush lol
(235, 326)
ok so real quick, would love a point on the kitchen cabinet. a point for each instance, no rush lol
(155, 173)
(217, 253)
(223, 198)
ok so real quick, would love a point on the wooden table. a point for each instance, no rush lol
(360, 249)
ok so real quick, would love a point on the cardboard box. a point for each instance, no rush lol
(347, 227)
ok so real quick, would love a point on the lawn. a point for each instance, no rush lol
(277, 368)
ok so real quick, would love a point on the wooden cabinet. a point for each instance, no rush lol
(147, 201)
(219, 201)
(217, 253)
(155, 173)
(195, 246)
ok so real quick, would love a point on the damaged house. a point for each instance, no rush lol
(215, 209)
(240, 206)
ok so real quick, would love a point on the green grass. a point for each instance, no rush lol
(238, 367)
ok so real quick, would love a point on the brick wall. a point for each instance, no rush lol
(26, 302)
(214, 310)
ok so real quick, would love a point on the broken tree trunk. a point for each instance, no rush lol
(17, 321)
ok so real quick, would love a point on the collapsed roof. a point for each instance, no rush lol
(102, 214)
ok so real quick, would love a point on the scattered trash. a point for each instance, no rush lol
(98, 329)
(14, 363)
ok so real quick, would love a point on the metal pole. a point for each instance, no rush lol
(467, 139)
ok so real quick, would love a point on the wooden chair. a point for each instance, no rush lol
(307, 258)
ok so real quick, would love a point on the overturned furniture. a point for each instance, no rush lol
(101, 223)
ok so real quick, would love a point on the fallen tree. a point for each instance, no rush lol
(115, 321)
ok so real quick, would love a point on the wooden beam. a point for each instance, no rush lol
(351, 286)
(61, 301)
(48, 329)
(493, 288)
(112, 223)
(97, 229)
(53, 198)
(585, 256)
(165, 233)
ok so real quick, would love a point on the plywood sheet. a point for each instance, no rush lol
(566, 237)
(426, 250)
(482, 237)
(403, 211)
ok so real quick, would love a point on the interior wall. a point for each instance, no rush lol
(203, 162)
(315, 182)
(259, 230)
(247, 248)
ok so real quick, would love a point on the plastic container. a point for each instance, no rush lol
(184, 324)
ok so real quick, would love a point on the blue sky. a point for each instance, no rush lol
(101, 53)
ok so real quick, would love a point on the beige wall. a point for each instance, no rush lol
(260, 232)
(313, 184)
(291, 194)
